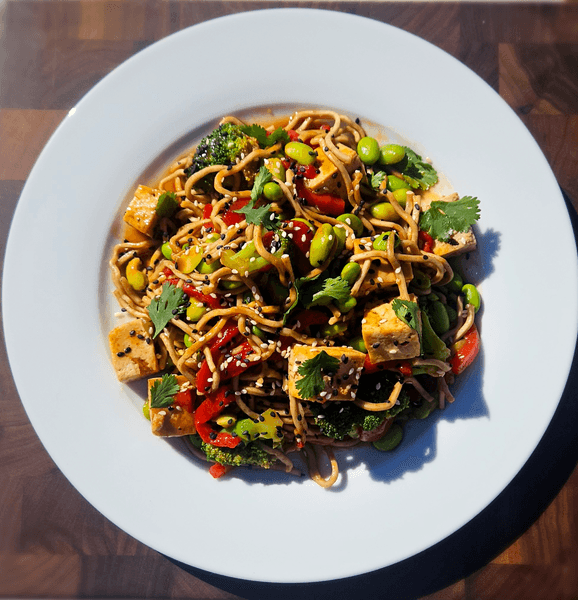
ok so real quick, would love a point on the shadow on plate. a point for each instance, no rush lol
(472, 546)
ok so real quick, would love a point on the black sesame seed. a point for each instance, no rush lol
(140, 336)
(299, 418)
(127, 349)
(261, 418)
(120, 354)
(148, 340)
(213, 435)
(131, 332)
(376, 345)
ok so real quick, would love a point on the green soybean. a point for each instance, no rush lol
(452, 314)
(272, 191)
(207, 268)
(380, 242)
(321, 245)
(351, 272)
(456, 284)
(420, 280)
(358, 344)
(166, 250)
(301, 153)
(395, 183)
(383, 211)
(353, 221)
(368, 150)
(333, 330)
(472, 295)
(401, 196)
(438, 317)
(195, 311)
(340, 235)
(391, 154)
(348, 305)
(391, 439)
(146, 411)
(188, 341)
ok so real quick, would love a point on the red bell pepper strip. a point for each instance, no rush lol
(325, 203)
(204, 374)
(302, 235)
(184, 399)
(426, 239)
(404, 367)
(217, 470)
(204, 298)
(211, 407)
(293, 135)
(237, 365)
(466, 351)
(230, 216)
(305, 318)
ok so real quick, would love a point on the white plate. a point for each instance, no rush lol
(262, 526)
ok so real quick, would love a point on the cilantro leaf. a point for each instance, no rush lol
(333, 288)
(163, 308)
(377, 178)
(260, 134)
(409, 313)
(264, 176)
(417, 172)
(163, 391)
(312, 371)
(262, 215)
(443, 219)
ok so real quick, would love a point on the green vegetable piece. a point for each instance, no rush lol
(275, 167)
(472, 296)
(166, 306)
(417, 172)
(438, 317)
(383, 211)
(390, 440)
(350, 272)
(424, 410)
(452, 314)
(258, 332)
(391, 154)
(226, 420)
(272, 191)
(368, 150)
(250, 454)
(443, 219)
(206, 268)
(135, 276)
(332, 289)
(167, 204)
(395, 183)
(146, 411)
(352, 221)
(167, 251)
(230, 285)
(301, 153)
(401, 196)
(246, 261)
(269, 426)
(421, 282)
(380, 242)
(195, 311)
(456, 284)
(330, 331)
(432, 344)
(163, 391)
(321, 245)
(188, 261)
(358, 344)
(348, 305)
(312, 371)
(340, 235)
(263, 139)
(187, 340)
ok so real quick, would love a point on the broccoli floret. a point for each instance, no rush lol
(249, 454)
(377, 388)
(221, 147)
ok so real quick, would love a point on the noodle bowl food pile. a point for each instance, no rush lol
(292, 289)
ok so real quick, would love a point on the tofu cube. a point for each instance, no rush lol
(387, 337)
(459, 242)
(381, 275)
(132, 357)
(328, 178)
(340, 386)
(171, 421)
(141, 212)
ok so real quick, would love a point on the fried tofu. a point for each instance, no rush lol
(340, 386)
(328, 177)
(386, 336)
(132, 357)
(459, 242)
(141, 212)
(173, 420)
(381, 275)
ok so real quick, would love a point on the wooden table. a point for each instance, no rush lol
(53, 544)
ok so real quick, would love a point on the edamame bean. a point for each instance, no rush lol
(333, 330)
(351, 272)
(358, 344)
(456, 284)
(421, 281)
(353, 221)
(346, 306)
(383, 211)
(401, 196)
(167, 251)
(391, 154)
(452, 314)
(146, 411)
(272, 191)
(321, 245)
(135, 277)
(472, 296)
(258, 332)
(391, 439)
(187, 340)
(395, 183)
(380, 242)
(438, 317)
(230, 285)
(301, 153)
(195, 311)
(368, 150)
(340, 235)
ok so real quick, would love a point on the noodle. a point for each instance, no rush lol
(260, 291)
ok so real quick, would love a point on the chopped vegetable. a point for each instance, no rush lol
(443, 219)
(167, 306)
(312, 371)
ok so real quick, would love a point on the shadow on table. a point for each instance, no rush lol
(485, 537)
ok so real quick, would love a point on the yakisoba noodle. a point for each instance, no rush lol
(288, 291)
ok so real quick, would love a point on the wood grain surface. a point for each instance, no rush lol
(53, 544)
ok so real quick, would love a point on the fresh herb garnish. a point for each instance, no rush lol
(409, 313)
(261, 215)
(162, 391)
(417, 172)
(377, 178)
(312, 371)
(260, 134)
(443, 219)
(167, 204)
(163, 308)
(333, 288)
